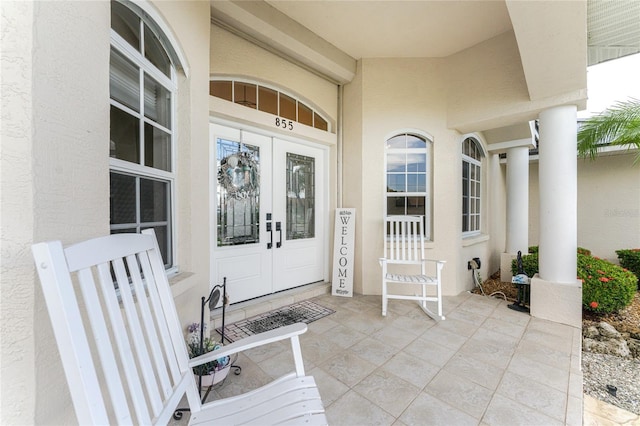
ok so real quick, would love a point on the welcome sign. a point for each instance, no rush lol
(343, 251)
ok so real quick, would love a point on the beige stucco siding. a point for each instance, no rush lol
(55, 182)
(236, 57)
(55, 174)
(608, 204)
(402, 95)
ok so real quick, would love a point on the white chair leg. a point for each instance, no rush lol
(384, 298)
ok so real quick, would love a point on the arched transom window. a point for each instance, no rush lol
(269, 100)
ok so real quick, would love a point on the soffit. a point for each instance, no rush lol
(613, 29)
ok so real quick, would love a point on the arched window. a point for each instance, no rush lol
(142, 87)
(408, 177)
(257, 96)
(471, 186)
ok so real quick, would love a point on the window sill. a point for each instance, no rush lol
(180, 282)
(475, 239)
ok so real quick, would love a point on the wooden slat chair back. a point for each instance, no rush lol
(404, 246)
(123, 348)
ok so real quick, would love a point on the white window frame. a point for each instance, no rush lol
(299, 100)
(140, 170)
(428, 173)
(470, 162)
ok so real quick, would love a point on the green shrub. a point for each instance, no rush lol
(530, 261)
(529, 264)
(605, 287)
(630, 259)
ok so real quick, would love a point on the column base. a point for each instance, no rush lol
(505, 266)
(558, 302)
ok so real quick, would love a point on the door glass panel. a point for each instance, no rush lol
(238, 193)
(300, 197)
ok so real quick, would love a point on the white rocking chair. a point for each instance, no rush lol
(124, 352)
(404, 246)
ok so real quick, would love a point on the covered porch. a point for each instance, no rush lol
(486, 364)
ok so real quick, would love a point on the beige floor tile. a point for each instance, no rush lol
(316, 349)
(428, 410)
(462, 315)
(503, 411)
(373, 350)
(415, 326)
(504, 313)
(533, 370)
(387, 391)
(497, 339)
(331, 389)
(504, 327)
(476, 371)
(544, 354)
(460, 328)
(348, 368)
(343, 337)
(430, 351)
(496, 355)
(393, 336)
(461, 393)
(549, 340)
(541, 398)
(485, 364)
(444, 338)
(353, 409)
(412, 369)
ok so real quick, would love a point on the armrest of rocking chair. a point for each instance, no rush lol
(435, 260)
(287, 332)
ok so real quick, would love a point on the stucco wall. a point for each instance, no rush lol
(16, 217)
(55, 174)
(608, 205)
(352, 166)
(234, 56)
(416, 101)
(55, 182)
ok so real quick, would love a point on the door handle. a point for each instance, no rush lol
(279, 229)
(270, 231)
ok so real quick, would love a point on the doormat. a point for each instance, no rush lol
(304, 311)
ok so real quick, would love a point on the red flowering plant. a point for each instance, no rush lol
(605, 287)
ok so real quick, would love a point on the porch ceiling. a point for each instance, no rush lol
(328, 37)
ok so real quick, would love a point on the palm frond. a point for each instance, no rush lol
(618, 126)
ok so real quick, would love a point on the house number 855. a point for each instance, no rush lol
(285, 124)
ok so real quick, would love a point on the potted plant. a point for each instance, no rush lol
(212, 372)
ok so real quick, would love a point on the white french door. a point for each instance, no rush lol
(268, 213)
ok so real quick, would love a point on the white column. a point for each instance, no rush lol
(518, 200)
(558, 194)
(556, 293)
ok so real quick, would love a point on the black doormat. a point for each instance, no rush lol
(305, 311)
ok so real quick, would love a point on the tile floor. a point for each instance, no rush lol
(484, 365)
